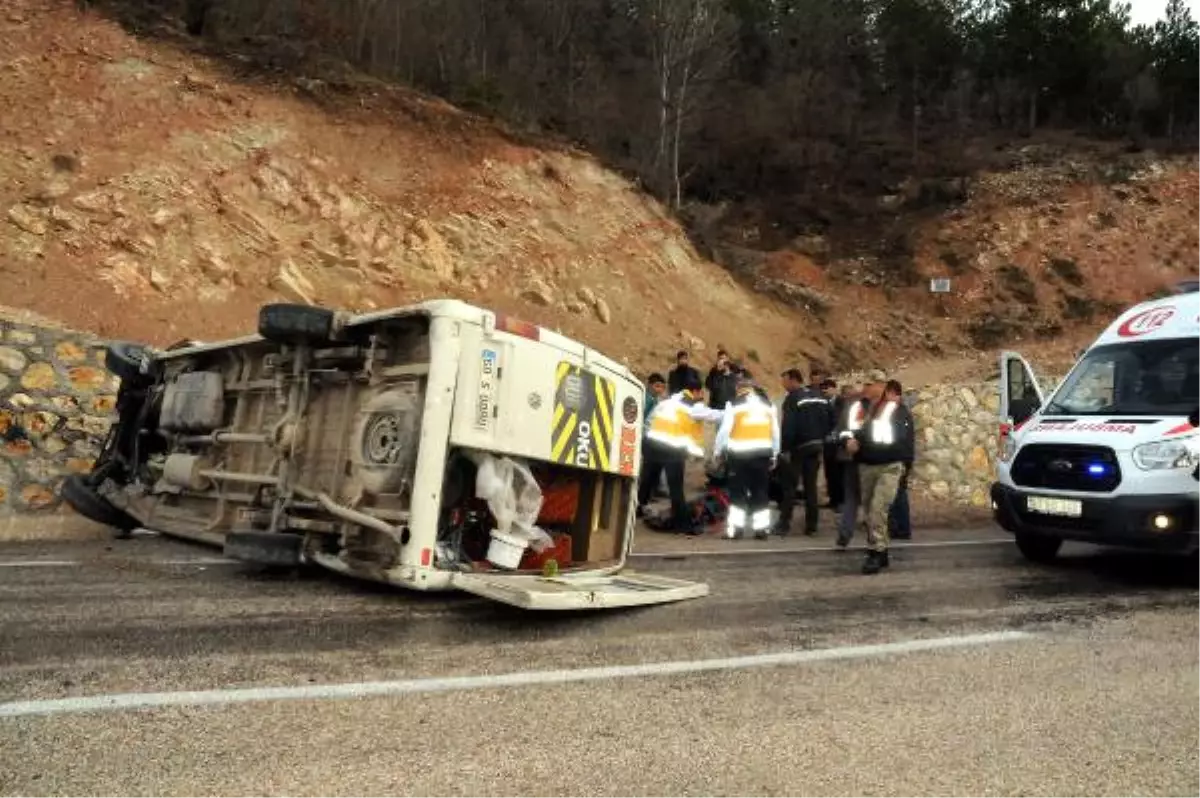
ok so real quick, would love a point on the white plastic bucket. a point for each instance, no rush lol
(505, 551)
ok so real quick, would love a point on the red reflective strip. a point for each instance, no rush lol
(426, 556)
(517, 327)
(1184, 427)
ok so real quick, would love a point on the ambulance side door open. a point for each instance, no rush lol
(1020, 393)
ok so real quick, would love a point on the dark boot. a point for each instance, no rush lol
(875, 562)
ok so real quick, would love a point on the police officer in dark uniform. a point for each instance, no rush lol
(805, 423)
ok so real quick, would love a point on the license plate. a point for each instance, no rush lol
(1047, 505)
(485, 399)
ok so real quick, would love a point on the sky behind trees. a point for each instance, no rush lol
(1147, 12)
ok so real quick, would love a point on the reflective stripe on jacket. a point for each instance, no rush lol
(752, 429)
(750, 426)
(673, 427)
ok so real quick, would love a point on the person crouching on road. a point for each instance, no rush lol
(806, 423)
(748, 440)
(675, 431)
(884, 448)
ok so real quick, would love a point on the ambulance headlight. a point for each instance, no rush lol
(1183, 452)
(1008, 449)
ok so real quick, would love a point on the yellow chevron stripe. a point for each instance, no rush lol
(600, 446)
(559, 409)
(560, 444)
(563, 369)
(604, 401)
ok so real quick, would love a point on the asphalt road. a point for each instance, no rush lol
(1097, 693)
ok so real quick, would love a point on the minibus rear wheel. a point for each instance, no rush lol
(124, 359)
(1038, 548)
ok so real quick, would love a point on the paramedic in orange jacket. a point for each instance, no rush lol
(748, 439)
(675, 431)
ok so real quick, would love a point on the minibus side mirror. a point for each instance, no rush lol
(1194, 417)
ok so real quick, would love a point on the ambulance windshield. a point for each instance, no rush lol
(1141, 378)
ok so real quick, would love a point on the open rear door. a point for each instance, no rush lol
(1020, 393)
(579, 591)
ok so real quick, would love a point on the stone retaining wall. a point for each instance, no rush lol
(957, 430)
(56, 401)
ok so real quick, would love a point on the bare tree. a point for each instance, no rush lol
(690, 43)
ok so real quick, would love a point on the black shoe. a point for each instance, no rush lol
(875, 562)
(810, 533)
(906, 536)
(781, 530)
(842, 543)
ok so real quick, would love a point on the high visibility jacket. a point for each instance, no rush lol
(880, 431)
(750, 426)
(888, 435)
(856, 415)
(675, 425)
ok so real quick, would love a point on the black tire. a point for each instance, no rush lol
(286, 323)
(124, 360)
(1038, 548)
(84, 500)
(272, 549)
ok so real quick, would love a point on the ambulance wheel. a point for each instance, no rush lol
(286, 323)
(1038, 548)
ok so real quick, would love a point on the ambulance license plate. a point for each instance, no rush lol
(1049, 505)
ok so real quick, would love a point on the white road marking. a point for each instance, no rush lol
(198, 561)
(805, 549)
(124, 701)
(39, 563)
(78, 563)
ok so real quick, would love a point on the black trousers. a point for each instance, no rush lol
(749, 485)
(659, 460)
(802, 466)
(834, 476)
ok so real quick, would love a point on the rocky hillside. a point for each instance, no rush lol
(151, 192)
(1042, 246)
(146, 193)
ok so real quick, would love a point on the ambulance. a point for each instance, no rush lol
(439, 446)
(1110, 456)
